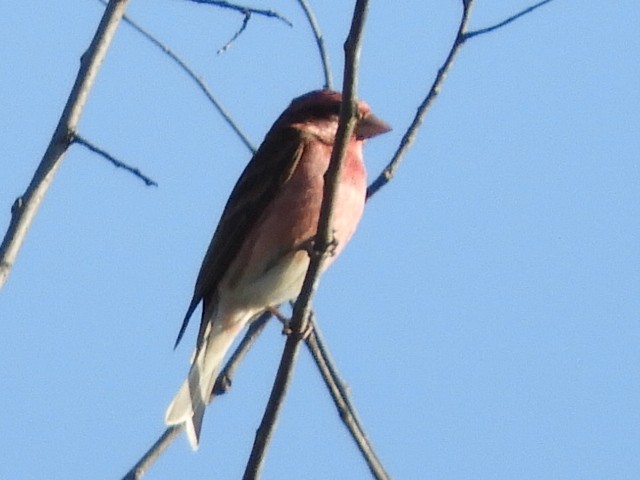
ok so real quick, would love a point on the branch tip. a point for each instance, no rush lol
(114, 161)
(245, 10)
(506, 21)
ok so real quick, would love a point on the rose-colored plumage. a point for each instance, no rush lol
(257, 258)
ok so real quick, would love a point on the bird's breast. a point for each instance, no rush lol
(271, 264)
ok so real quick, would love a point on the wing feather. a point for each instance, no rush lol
(271, 167)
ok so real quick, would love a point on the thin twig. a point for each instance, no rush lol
(342, 400)
(222, 385)
(410, 135)
(189, 71)
(512, 18)
(317, 33)
(26, 207)
(244, 9)
(323, 241)
(243, 27)
(117, 163)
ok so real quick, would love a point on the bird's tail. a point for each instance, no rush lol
(191, 400)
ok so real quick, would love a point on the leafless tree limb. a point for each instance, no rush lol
(157, 449)
(222, 385)
(25, 208)
(196, 78)
(507, 21)
(410, 135)
(322, 245)
(117, 163)
(244, 9)
(317, 33)
(342, 400)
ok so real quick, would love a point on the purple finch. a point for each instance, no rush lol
(257, 258)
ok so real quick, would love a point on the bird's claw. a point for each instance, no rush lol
(312, 249)
(288, 330)
(303, 335)
(333, 245)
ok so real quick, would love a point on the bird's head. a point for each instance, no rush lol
(318, 112)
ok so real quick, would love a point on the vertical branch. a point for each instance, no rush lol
(322, 246)
(25, 207)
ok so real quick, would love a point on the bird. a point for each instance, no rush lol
(258, 256)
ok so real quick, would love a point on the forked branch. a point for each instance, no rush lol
(412, 131)
(26, 207)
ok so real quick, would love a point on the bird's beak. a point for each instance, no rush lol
(370, 126)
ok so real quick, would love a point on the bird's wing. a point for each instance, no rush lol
(271, 166)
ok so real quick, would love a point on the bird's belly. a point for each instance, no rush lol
(282, 281)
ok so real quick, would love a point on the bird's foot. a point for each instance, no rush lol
(312, 248)
(286, 324)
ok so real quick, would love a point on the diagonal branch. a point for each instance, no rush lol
(196, 78)
(324, 56)
(322, 245)
(339, 394)
(116, 163)
(507, 21)
(222, 385)
(26, 207)
(157, 449)
(342, 400)
(410, 135)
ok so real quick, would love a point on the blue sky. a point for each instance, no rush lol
(486, 316)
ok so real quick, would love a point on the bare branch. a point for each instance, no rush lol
(189, 71)
(244, 10)
(322, 245)
(411, 133)
(324, 57)
(26, 207)
(243, 27)
(342, 400)
(149, 458)
(512, 18)
(222, 385)
(117, 163)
